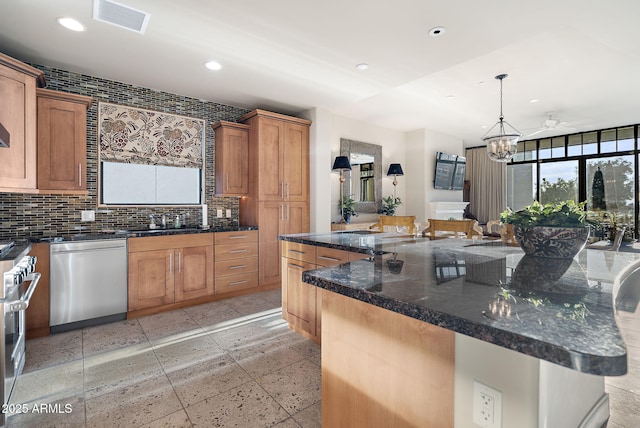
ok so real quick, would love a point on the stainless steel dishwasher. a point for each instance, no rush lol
(88, 283)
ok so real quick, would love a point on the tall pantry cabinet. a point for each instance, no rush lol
(278, 199)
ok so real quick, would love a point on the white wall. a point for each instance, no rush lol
(415, 151)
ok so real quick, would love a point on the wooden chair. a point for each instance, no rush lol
(397, 221)
(455, 226)
(615, 245)
(505, 230)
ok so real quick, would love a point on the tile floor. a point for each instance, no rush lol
(231, 363)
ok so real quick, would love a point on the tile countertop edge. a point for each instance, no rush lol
(612, 362)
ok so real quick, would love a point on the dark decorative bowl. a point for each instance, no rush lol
(552, 242)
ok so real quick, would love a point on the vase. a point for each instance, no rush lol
(347, 218)
(552, 242)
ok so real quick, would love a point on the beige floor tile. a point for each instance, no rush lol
(55, 349)
(207, 379)
(311, 417)
(50, 384)
(165, 324)
(178, 419)
(250, 329)
(295, 387)
(264, 357)
(109, 337)
(117, 369)
(287, 423)
(134, 405)
(182, 351)
(245, 406)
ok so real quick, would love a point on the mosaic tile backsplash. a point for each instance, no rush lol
(25, 215)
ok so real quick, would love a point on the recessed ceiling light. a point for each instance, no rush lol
(535, 100)
(484, 126)
(450, 97)
(437, 31)
(362, 66)
(213, 65)
(71, 24)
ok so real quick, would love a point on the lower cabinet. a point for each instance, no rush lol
(168, 269)
(236, 255)
(301, 302)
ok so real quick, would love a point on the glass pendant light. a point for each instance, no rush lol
(502, 142)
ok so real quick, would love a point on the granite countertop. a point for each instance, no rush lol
(122, 234)
(558, 311)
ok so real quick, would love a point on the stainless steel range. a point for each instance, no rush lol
(19, 283)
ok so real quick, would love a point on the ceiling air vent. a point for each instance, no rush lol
(120, 15)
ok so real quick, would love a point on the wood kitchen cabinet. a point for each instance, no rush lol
(278, 199)
(231, 158)
(168, 269)
(62, 145)
(236, 266)
(302, 302)
(37, 314)
(18, 82)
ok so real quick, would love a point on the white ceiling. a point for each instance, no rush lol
(580, 58)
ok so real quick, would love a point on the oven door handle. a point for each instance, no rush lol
(23, 303)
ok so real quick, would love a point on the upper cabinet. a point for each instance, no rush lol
(231, 158)
(283, 161)
(18, 83)
(62, 145)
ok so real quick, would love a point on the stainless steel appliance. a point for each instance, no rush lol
(19, 283)
(88, 283)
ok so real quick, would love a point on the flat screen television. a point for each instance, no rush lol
(449, 171)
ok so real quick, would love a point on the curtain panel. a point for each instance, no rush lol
(133, 135)
(487, 179)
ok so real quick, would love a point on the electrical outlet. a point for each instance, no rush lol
(487, 406)
(228, 213)
(219, 213)
(88, 215)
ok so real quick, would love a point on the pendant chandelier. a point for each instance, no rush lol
(502, 142)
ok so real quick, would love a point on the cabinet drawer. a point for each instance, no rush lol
(303, 252)
(236, 237)
(236, 266)
(331, 256)
(236, 251)
(229, 283)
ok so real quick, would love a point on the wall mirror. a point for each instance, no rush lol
(364, 181)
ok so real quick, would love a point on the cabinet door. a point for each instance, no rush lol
(296, 218)
(298, 298)
(271, 215)
(232, 159)
(270, 166)
(151, 278)
(194, 272)
(18, 116)
(62, 148)
(295, 162)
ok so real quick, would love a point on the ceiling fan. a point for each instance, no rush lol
(552, 124)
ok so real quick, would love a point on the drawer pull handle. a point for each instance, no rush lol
(238, 251)
(238, 237)
(297, 251)
(238, 282)
(329, 258)
(295, 265)
(238, 267)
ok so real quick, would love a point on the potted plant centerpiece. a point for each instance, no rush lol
(556, 230)
(348, 208)
(389, 205)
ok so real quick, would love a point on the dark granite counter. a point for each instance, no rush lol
(553, 310)
(120, 234)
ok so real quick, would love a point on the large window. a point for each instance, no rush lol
(599, 167)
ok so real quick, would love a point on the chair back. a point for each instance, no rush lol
(407, 221)
(455, 226)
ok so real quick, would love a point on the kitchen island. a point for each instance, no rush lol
(421, 316)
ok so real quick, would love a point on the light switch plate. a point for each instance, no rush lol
(228, 213)
(219, 213)
(88, 215)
